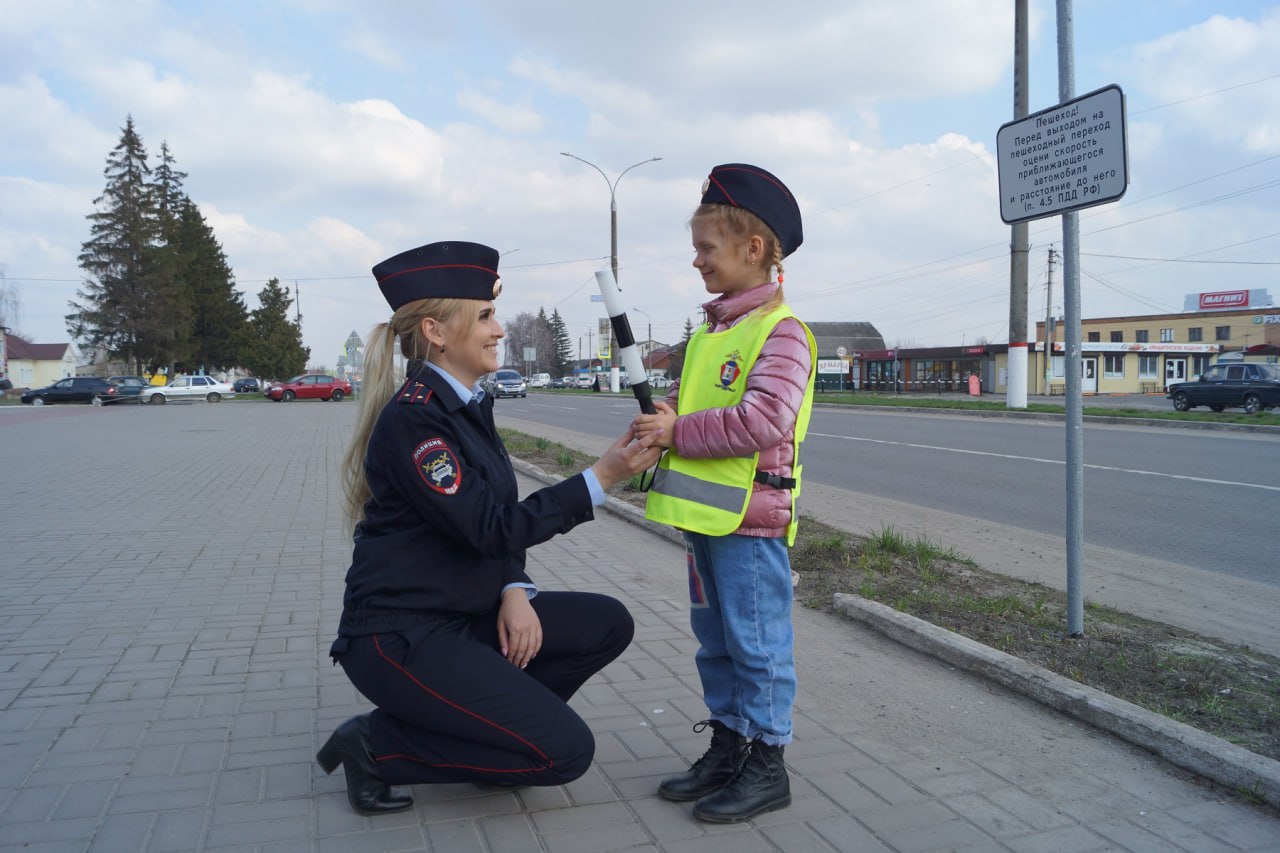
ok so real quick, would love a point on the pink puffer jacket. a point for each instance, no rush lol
(763, 420)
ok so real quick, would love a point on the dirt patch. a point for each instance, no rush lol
(1229, 691)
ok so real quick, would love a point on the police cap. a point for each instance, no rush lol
(454, 269)
(754, 189)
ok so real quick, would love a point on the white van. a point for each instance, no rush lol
(540, 380)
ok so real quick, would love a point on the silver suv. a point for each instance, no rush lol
(507, 383)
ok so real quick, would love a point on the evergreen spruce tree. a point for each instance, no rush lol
(275, 347)
(168, 199)
(122, 310)
(217, 319)
(563, 352)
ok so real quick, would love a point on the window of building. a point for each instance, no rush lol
(1166, 336)
(1199, 363)
(1059, 371)
(1095, 337)
(1113, 365)
(1140, 336)
(1222, 333)
(1117, 337)
(1147, 366)
(1195, 333)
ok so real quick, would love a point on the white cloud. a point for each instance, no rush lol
(376, 127)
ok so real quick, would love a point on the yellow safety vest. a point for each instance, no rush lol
(710, 496)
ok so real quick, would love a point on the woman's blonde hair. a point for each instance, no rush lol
(738, 223)
(380, 381)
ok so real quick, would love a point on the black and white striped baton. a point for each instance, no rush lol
(626, 341)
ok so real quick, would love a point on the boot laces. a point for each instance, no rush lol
(751, 768)
(722, 743)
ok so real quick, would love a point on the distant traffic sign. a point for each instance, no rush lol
(1065, 158)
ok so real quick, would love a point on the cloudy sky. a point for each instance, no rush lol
(321, 136)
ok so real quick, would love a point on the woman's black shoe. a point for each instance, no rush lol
(349, 746)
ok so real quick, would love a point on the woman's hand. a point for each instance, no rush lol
(519, 628)
(656, 430)
(624, 459)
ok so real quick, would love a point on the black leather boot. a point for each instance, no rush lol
(761, 785)
(349, 746)
(713, 769)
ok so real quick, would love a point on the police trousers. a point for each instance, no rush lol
(451, 708)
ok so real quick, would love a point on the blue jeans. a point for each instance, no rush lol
(740, 609)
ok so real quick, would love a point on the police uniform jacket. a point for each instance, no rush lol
(444, 530)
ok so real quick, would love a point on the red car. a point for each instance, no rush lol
(309, 386)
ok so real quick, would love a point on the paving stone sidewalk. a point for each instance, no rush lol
(171, 581)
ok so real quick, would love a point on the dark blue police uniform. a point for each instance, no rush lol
(444, 533)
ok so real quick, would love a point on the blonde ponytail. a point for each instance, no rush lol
(380, 382)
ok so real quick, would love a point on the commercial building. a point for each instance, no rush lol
(1119, 355)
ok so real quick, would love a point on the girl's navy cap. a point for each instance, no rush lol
(754, 189)
(454, 269)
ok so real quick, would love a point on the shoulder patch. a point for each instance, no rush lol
(437, 466)
(414, 393)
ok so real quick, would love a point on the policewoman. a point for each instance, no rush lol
(468, 664)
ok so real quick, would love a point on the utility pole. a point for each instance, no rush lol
(297, 303)
(1048, 324)
(1019, 246)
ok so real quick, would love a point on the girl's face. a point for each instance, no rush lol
(470, 350)
(726, 265)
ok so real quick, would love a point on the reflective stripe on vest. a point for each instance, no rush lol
(687, 487)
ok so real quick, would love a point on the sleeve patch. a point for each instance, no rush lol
(438, 466)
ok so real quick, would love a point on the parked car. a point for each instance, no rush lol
(309, 386)
(74, 389)
(188, 388)
(130, 387)
(1248, 385)
(540, 380)
(563, 382)
(246, 385)
(657, 380)
(506, 383)
(584, 380)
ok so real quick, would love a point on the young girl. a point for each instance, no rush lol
(730, 484)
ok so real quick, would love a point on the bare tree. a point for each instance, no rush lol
(529, 330)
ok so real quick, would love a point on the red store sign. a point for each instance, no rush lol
(1224, 299)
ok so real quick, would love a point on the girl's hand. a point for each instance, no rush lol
(519, 628)
(656, 430)
(623, 460)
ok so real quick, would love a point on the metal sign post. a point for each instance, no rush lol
(1058, 161)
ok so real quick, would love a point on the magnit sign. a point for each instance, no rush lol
(1227, 300)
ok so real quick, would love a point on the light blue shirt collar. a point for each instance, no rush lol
(465, 394)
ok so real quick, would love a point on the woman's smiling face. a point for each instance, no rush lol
(470, 349)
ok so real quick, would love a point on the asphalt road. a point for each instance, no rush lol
(1204, 499)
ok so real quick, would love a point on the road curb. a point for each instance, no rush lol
(1179, 744)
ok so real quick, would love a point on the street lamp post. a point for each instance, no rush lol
(613, 249)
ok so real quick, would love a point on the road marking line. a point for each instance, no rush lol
(1051, 461)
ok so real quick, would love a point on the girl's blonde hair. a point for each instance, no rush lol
(380, 381)
(738, 223)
